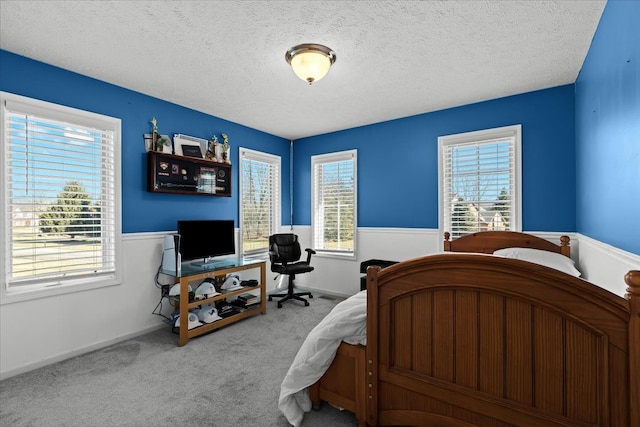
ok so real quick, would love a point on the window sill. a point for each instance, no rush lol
(347, 257)
(14, 296)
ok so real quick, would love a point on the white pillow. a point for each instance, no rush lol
(546, 258)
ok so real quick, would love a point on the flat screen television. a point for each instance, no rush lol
(206, 239)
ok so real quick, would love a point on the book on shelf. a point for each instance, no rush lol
(249, 283)
(226, 309)
(242, 305)
(248, 297)
(248, 306)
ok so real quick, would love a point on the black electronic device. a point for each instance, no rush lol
(249, 283)
(203, 240)
(225, 309)
(365, 264)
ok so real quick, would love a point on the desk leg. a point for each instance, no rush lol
(184, 311)
(263, 288)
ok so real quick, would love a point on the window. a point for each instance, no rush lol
(60, 185)
(259, 199)
(479, 174)
(334, 188)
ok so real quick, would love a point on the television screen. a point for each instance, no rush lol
(204, 239)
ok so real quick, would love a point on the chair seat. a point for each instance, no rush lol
(293, 268)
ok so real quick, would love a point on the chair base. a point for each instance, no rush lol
(291, 294)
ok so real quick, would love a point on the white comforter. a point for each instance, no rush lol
(346, 322)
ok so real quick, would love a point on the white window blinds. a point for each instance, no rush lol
(61, 194)
(334, 202)
(480, 181)
(259, 199)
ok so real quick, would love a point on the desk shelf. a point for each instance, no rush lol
(223, 296)
(208, 327)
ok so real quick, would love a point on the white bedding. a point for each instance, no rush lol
(346, 322)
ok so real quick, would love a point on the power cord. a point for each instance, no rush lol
(157, 281)
(164, 293)
(158, 311)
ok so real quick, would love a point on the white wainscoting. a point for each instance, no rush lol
(605, 265)
(341, 277)
(41, 331)
(38, 332)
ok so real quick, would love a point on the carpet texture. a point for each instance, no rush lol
(230, 377)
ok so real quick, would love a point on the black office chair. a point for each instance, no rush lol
(284, 254)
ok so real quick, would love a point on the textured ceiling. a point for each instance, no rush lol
(226, 58)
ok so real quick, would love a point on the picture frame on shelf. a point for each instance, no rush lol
(191, 147)
(189, 150)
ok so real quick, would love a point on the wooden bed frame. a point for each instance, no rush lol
(463, 339)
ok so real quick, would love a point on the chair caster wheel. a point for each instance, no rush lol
(270, 299)
(306, 303)
(310, 296)
(279, 305)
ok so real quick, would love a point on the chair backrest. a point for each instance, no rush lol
(285, 247)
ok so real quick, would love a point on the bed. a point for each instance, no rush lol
(466, 338)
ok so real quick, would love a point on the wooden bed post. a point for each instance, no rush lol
(447, 242)
(372, 346)
(565, 249)
(633, 296)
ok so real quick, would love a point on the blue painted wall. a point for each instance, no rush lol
(581, 146)
(608, 130)
(143, 211)
(398, 161)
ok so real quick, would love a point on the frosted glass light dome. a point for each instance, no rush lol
(310, 62)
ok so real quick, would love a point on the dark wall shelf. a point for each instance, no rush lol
(187, 175)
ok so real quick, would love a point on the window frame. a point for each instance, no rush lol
(513, 131)
(335, 157)
(275, 161)
(51, 287)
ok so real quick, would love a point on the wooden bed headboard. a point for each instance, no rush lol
(489, 241)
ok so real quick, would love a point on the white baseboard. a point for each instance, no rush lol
(318, 291)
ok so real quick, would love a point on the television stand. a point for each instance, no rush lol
(213, 262)
(191, 273)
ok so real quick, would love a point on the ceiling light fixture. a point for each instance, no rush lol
(310, 61)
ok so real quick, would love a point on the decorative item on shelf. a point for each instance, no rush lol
(154, 135)
(166, 148)
(164, 144)
(226, 158)
(157, 142)
(219, 153)
(211, 152)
